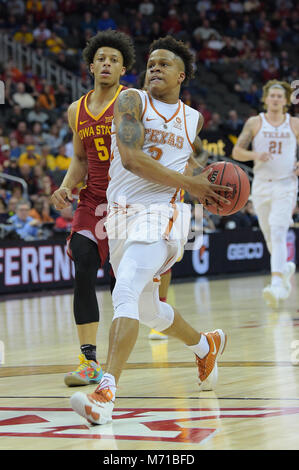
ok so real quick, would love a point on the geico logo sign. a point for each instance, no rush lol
(240, 251)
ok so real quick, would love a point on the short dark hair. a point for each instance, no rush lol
(179, 48)
(111, 38)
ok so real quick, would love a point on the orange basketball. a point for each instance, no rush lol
(228, 174)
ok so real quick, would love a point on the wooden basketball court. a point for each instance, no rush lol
(158, 407)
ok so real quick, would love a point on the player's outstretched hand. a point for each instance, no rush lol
(296, 169)
(61, 198)
(204, 190)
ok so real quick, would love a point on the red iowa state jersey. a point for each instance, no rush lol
(95, 134)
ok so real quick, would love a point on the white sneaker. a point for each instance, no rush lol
(210, 383)
(273, 294)
(287, 274)
(96, 407)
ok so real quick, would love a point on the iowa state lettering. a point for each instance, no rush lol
(99, 129)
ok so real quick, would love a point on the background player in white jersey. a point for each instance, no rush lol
(151, 146)
(274, 136)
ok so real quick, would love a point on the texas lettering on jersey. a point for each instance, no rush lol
(164, 138)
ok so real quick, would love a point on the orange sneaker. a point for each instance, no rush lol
(217, 341)
(96, 407)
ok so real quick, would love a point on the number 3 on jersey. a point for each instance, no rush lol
(102, 150)
(156, 152)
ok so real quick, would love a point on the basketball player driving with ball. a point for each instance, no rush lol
(108, 55)
(274, 136)
(147, 225)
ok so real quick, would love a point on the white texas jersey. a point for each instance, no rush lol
(170, 131)
(281, 143)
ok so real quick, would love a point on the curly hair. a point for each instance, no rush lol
(276, 83)
(180, 49)
(111, 38)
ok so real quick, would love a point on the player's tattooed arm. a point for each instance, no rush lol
(129, 128)
(240, 151)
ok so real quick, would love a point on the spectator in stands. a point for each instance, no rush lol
(215, 124)
(285, 34)
(47, 186)
(41, 211)
(17, 8)
(171, 24)
(146, 8)
(55, 44)
(53, 139)
(22, 98)
(253, 96)
(236, 7)
(62, 160)
(205, 31)
(88, 23)
(26, 174)
(24, 35)
(60, 27)
(243, 83)
(36, 136)
(4, 153)
(106, 22)
(20, 132)
(155, 31)
(3, 211)
(41, 34)
(15, 115)
(46, 99)
(15, 149)
(63, 223)
(49, 11)
(215, 43)
(233, 30)
(203, 109)
(207, 55)
(234, 123)
(203, 6)
(30, 157)
(11, 168)
(37, 114)
(250, 215)
(12, 206)
(24, 225)
(48, 160)
(62, 96)
(228, 52)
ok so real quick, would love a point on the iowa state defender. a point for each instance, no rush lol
(108, 55)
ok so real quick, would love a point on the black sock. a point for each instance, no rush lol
(89, 351)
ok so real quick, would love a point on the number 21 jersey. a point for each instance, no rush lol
(281, 143)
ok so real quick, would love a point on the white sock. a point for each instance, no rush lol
(108, 381)
(202, 348)
(276, 281)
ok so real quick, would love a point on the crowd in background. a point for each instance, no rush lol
(35, 138)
